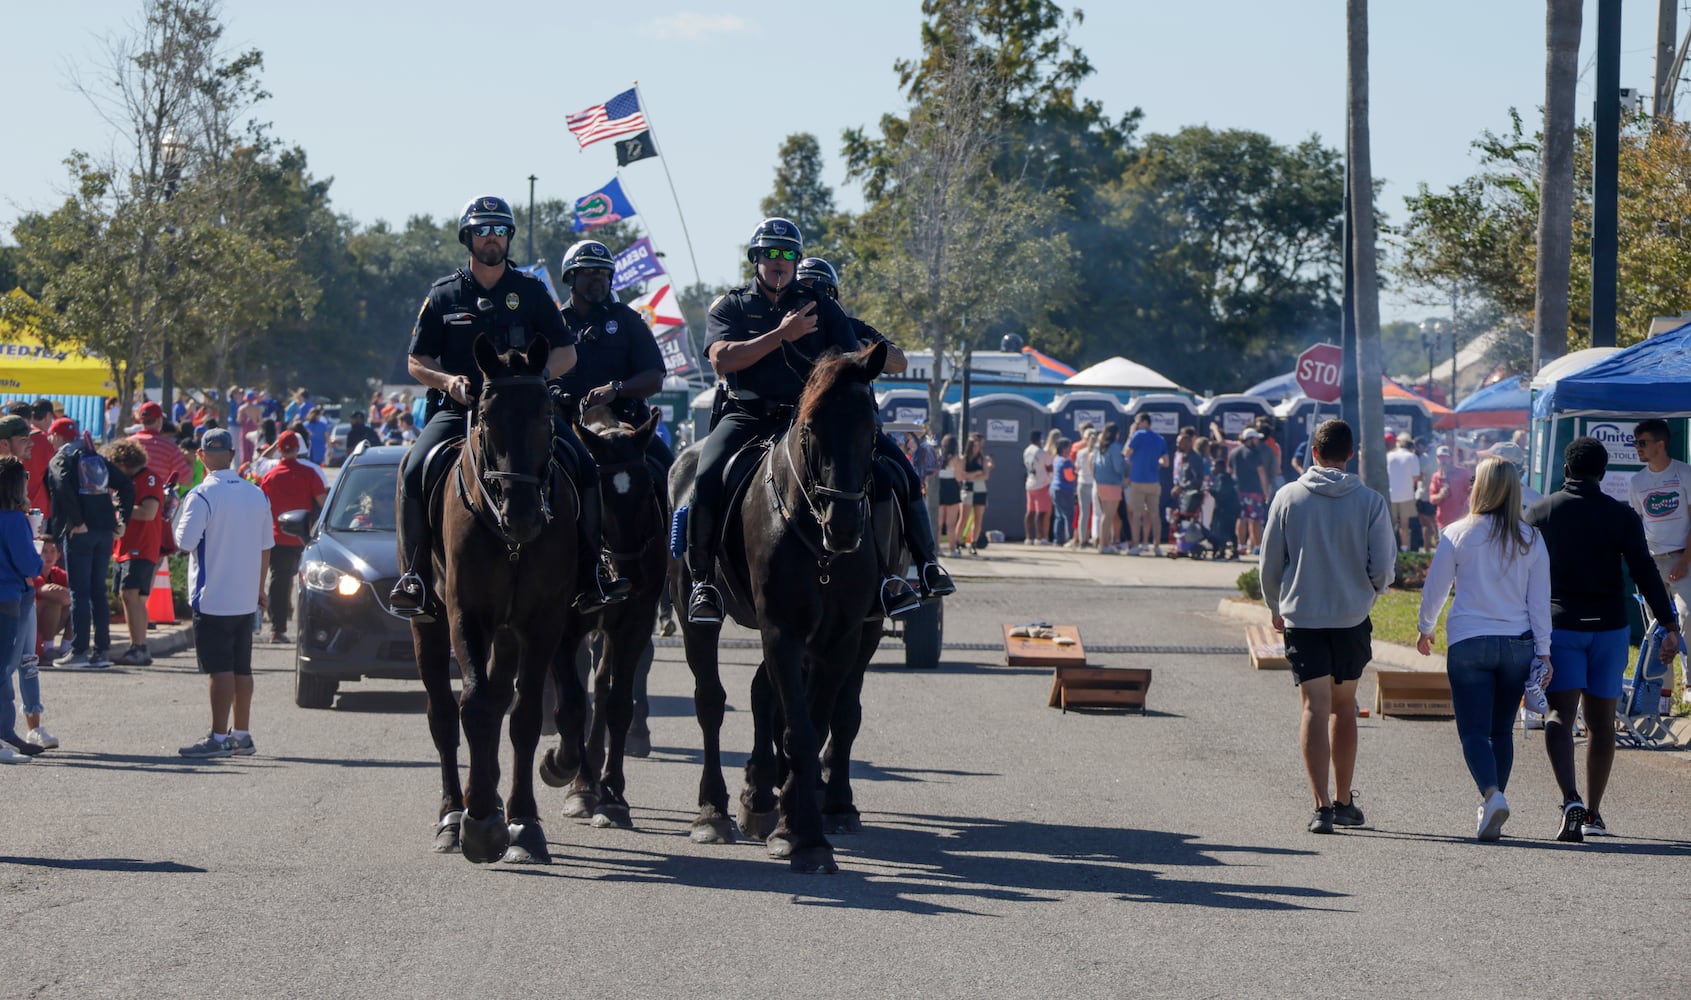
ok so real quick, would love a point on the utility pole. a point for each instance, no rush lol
(531, 180)
(1605, 196)
(1667, 29)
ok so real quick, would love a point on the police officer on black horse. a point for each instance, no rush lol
(489, 297)
(819, 275)
(743, 339)
(617, 361)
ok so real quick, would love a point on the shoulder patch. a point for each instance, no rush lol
(717, 301)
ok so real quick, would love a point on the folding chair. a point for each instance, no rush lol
(1638, 719)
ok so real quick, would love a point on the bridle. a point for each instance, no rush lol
(481, 474)
(607, 473)
(813, 493)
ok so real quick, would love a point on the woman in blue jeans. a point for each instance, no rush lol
(1499, 621)
(18, 563)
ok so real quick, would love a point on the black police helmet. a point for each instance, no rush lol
(486, 211)
(820, 274)
(778, 233)
(587, 255)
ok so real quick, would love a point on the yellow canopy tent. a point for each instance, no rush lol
(29, 369)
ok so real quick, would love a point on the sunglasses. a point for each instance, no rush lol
(774, 254)
(1642, 442)
(491, 230)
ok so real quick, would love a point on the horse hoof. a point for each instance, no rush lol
(758, 825)
(605, 817)
(446, 834)
(528, 844)
(712, 829)
(849, 822)
(813, 861)
(554, 775)
(580, 805)
(484, 840)
(779, 847)
(638, 743)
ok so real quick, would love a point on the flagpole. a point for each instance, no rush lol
(664, 160)
(698, 362)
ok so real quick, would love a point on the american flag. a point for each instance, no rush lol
(618, 116)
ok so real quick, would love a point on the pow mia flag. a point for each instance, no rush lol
(637, 147)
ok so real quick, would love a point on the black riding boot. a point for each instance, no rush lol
(596, 585)
(919, 537)
(410, 595)
(704, 605)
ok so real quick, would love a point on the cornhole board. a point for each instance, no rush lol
(1099, 687)
(1267, 648)
(1022, 652)
(1412, 692)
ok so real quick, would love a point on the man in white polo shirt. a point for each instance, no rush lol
(1661, 494)
(225, 528)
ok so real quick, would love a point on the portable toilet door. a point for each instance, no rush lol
(700, 410)
(1169, 412)
(1006, 421)
(1408, 416)
(1071, 409)
(1298, 418)
(1232, 412)
(905, 405)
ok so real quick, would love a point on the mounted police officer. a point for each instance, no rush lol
(743, 339)
(617, 361)
(818, 274)
(493, 298)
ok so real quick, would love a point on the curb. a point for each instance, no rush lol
(165, 639)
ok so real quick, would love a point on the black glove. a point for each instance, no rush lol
(562, 401)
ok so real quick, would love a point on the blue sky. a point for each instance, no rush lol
(418, 106)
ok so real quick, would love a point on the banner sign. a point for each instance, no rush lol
(672, 343)
(636, 264)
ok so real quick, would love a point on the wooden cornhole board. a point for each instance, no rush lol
(1099, 687)
(1267, 648)
(1412, 692)
(1023, 652)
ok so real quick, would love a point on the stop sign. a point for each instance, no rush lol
(1318, 372)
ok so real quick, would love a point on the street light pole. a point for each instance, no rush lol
(531, 180)
(173, 156)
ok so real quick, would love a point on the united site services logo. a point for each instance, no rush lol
(1664, 504)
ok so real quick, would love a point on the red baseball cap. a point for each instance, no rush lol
(63, 427)
(151, 411)
(287, 441)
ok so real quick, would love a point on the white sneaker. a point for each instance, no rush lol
(10, 756)
(75, 661)
(1492, 816)
(42, 738)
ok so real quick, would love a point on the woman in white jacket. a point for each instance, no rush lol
(1499, 621)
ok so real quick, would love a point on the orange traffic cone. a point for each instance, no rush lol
(161, 607)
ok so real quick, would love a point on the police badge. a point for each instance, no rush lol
(611, 326)
(511, 300)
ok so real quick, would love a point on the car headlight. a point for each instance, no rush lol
(321, 576)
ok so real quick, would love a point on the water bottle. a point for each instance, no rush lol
(36, 520)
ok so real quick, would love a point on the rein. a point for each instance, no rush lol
(808, 491)
(479, 472)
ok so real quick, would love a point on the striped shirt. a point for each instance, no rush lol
(165, 458)
(225, 526)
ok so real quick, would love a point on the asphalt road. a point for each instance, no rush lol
(1009, 850)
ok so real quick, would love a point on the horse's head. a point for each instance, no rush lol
(625, 481)
(512, 437)
(835, 432)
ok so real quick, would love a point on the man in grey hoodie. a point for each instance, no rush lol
(1328, 551)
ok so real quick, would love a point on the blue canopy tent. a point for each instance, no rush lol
(1502, 404)
(1276, 389)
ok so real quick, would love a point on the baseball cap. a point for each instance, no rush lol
(63, 427)
(1391, 438)
(287, 441)
(217, 439)
(1443, 451)
(1509, 452)
(151, 411)
(1249, 432)
(12, 426)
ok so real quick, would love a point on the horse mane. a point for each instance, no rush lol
(825, 376)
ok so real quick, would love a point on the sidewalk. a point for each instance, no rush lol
(1014, 560)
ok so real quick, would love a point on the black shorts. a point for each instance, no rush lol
(1339, 653)
(136, 574)
(1426, 508)
(950, 492)
(223, 643)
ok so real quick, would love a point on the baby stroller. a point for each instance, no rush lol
(1224, 515)
(1638, 718)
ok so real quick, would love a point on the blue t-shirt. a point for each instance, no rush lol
(1148, 446)
(1063, 482)
(1109, 468)
(319, 439)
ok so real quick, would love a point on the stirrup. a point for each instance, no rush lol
(935, 582)
(704, 607)
(896, 596)
(409, 598)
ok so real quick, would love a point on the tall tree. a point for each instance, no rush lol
(1556, 181)
(1371, 435)
(801, 195)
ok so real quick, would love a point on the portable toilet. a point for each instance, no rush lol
(1169, 412)
(1071, 409)
(1298, 419)
(1232, 412)
(700, 410)
(1006, 421)
(1408, 416)
(905, 405)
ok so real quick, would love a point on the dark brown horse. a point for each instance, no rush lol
(505, 541)
(798, 548)
(636, 535)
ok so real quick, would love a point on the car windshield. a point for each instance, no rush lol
(364, 499)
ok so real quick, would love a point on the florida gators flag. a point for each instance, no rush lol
(659, 308)
(606, 205)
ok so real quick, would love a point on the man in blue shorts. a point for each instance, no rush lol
(1589, 535)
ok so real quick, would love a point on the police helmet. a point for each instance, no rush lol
(587, 255)
(821, 274)
(778, 234)
(487, 211)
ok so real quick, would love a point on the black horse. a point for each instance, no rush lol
(505, 536)
(794, 550)
(636, 533)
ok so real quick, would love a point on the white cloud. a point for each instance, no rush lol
(691, 25)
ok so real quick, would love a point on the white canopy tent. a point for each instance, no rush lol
(1120, 373)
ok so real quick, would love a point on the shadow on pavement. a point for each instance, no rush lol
(383, 702)
(946, 864)
(735, 761)
(1640, 847)
(107, 865)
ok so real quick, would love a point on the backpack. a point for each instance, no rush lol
(93, 477)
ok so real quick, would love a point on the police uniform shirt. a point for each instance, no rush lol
(744, 313)
(512, 313)
(867, 336)
(612, 342)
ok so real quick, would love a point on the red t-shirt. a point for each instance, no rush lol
(1454, 507)
(40, 455)
(54, 574)
(141, 538)
(290, 486)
